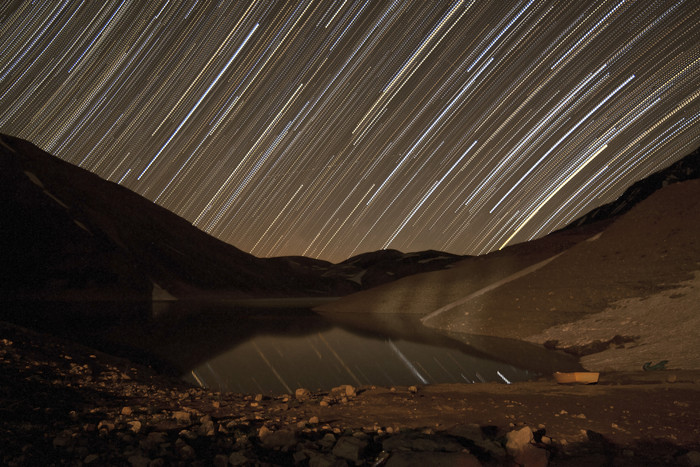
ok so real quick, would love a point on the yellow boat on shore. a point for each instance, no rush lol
(577, 377)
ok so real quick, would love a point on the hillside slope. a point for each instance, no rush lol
(542, 291)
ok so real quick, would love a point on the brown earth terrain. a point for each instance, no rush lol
(65, 404)
(628, 285)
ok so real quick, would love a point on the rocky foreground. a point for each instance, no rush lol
(65, 404)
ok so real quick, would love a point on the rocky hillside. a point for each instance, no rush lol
(687, 168)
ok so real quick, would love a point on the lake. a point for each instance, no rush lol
(253, 349)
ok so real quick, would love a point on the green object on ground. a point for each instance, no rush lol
(659, 366)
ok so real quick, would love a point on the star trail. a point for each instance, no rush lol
(328, 129)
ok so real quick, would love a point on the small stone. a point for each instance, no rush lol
(90, 459)
(313, 420)
(326, 460)
(134, 426)
(327, 441)
(280, 439)
(62, 440)
(350, 448)
(187, 434)
(323, 403)
(412, 389)
(139, 461)
(186, 451)
(258, 398)
(519, 445)
(302, 394)
(127, 411)
(263, 432)
(690, 458)
(181, 416)
(105, 424)
(216, 404)
(237, 458)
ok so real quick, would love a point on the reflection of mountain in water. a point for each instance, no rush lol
(277, 350)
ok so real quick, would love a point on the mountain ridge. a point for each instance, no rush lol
(69, 234)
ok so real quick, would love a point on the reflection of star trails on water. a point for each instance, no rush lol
(340, 360)
(408, 364)
(199, 380)
(279, 377)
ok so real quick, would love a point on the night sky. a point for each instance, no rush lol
(331, 128)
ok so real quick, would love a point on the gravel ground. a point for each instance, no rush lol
(65, 404)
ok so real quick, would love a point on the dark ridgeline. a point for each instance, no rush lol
(66, 234)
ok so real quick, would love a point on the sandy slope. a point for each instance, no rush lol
(623, 273)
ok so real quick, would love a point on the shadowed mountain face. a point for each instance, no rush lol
(66, 234)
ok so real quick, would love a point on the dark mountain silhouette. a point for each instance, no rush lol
(65, 233)
(686, 168)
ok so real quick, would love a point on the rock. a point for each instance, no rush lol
(220, 460)
(90, 459)
(280, 440)
(519, 446)
(475, 433)
(326, 460)
(328, 441)
(690, 459)
(207, 427)
(187, 434)
(422, 459)
(302, 394)
(105, 424)
(127, 411)
(347, 390)
(350, 448)
(186, 451)
(263, 432)
(412, 389)
(153, 441)
(237, 458)
(63, 440)
(181, 416)
(134, 426)
(419, 442)
(139, 461)
(313, 420)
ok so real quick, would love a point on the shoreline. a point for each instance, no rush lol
(93, 408)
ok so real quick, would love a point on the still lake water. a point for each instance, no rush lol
(276, 350)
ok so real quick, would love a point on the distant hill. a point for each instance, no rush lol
(67, 234)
